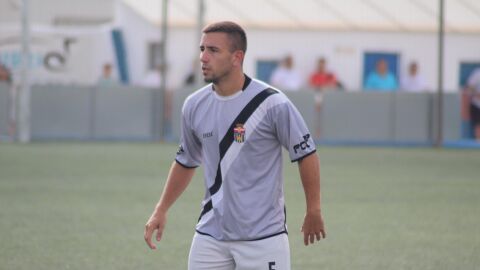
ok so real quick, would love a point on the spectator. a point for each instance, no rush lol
(413, 81)
(321, 80)
(106, 79)
(286, 77)
(381, 79)
(6, 77)
(473, 88)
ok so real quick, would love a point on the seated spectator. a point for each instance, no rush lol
(285, 77)
(5, 75)
(413, 81)
(6, 78)
(381, 79)
(322, 79)
(106, 79)
(473, 88)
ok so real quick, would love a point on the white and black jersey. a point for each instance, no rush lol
(239, 140)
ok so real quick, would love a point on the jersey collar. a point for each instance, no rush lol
(246, 83)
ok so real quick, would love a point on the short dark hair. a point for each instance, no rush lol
(234, 31)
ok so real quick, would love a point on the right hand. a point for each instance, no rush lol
(155, 222)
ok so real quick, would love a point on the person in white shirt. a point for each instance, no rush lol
(286, 77)
(107, 79)
(235, 127)
(473, 87)
(413, 81)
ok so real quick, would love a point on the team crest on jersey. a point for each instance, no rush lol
(239, 133)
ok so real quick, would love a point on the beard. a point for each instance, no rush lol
(210, 80)
(216, 78)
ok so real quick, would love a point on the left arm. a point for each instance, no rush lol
(313, 226)
(293, 134)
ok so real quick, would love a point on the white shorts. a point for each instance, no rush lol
(272, 253)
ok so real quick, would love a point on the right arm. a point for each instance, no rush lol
(178, 179)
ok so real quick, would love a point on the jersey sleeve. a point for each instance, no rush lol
(189, 153)
(292, 132)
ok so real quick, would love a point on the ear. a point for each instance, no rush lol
(238, 56)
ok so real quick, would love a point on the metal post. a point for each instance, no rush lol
(200, 25)
(439, 107)
(162, 130)
(24, 95)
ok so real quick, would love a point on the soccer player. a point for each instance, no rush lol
(236, 127)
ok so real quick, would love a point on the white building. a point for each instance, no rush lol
(71, 40)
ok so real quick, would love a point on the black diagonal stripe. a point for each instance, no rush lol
(207, 207)
(227, 140)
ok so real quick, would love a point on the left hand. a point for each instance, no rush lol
(155, 223)
(313, 227)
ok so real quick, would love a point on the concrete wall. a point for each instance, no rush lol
(412, 116)
(59, 112)
(125, 113)
(89, 113)
(404, 118)
(357, 117)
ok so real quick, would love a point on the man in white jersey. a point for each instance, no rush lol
(235, 127)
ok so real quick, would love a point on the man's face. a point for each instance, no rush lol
(382, 67)
(413, 69)
(216, 58)
(321, 65)
(107, 71)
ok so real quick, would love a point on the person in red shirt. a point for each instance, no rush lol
(322, 80)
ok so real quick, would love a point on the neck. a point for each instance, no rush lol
(230, 85)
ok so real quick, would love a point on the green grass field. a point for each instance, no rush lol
(84, 206)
